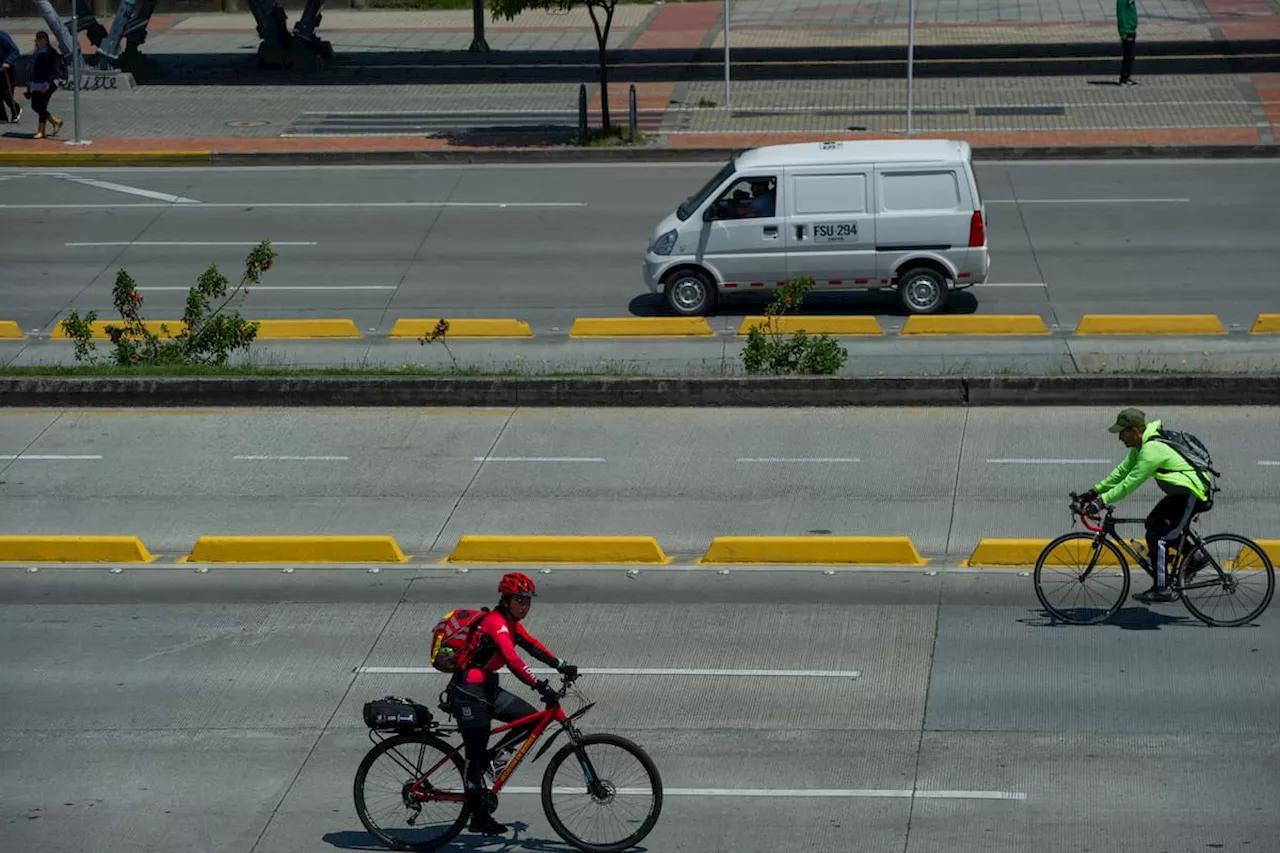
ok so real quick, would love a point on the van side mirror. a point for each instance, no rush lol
(709, 214)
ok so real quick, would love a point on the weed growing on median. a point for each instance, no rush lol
(438, 334)
(206, 336)
(768, 351)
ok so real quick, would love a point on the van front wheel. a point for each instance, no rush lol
(922, 290)
(690, 293)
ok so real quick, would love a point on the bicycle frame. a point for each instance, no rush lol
(1107, 529)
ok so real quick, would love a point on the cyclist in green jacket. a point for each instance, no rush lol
(1186, 491)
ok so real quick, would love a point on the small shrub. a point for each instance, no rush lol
(769, 351)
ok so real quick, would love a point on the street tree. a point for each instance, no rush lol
(598, 9)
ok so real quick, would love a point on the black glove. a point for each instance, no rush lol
(568, 670)
(549, 694)
(1093, 506)
(1088, 496)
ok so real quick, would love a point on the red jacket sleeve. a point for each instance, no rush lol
(507, 648)
(533, 646)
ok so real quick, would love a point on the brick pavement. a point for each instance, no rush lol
(412, 56)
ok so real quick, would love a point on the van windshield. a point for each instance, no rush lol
(695, 201)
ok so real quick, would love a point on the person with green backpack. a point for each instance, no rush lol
(1182, 469)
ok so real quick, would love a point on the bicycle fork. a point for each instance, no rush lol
(595, 785)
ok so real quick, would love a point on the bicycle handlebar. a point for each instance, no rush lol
(1078, 508)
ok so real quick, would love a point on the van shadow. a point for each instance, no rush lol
(1124, 619)
(853, 304)
(352, 840)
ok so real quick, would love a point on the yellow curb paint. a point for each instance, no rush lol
(103, 158)
(73, 549)
(99, 328)
(1007, 552)
(464, 328)
(299, 329)
(295, 549)
(641, 327)
(815, 550)
(816, 325)
(1270, 547)
(1266, 324)
(10, 330)
(558, 549)
(976, 324)
(1150, 324)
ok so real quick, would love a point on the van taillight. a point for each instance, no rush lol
(977, 233)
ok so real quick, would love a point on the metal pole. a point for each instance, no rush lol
(911, 59)
(77, 75)
(728, 99)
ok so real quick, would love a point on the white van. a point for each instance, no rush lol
(856, 215)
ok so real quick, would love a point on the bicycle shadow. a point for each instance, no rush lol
(1126, 619)
(352, 840)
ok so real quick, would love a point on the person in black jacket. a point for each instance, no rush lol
(9, 56)
(43, 82)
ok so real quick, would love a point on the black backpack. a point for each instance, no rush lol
(1193, 450)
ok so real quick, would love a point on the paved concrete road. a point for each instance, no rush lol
(551, 243)
(946, 478)
(219, 712)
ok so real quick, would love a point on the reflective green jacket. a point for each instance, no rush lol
(1127, 17)
(1147, 459)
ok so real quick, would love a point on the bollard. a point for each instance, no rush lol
(582, 113)
(631, 112)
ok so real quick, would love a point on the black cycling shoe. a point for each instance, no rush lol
(1156, 596)
(486, 825)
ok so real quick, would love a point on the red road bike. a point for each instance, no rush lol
(409, 787)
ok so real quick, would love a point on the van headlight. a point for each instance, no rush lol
(664, 244)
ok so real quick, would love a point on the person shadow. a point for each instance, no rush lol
(1124, 619)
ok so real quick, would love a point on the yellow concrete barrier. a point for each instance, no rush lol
(73, 549)
(301, 329)
(10, 330)
(99, 328)
(1150, 324)
(464, 328)
(641, 327)
(1006, 552)
(558, 549)
(1266, 324)
(295, 549)
(835, 326)
(1270, 547)
(1077, 553)
(975, 324)
(814, 550)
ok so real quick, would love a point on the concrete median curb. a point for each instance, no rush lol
(37, 159)
(611, 550)
(295, 549)
(1157, 390)
(73, 549)
(1000, 553)
(813, 550)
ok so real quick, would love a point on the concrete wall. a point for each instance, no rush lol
(104, 9)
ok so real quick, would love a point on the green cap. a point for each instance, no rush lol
(1128, 418)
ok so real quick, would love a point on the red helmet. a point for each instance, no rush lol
(516, 583)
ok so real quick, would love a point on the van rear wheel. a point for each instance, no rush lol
(922, 290)
(690, 293)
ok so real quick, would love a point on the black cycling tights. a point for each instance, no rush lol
(475, 708)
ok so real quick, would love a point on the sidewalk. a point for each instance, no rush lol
(1031, 76)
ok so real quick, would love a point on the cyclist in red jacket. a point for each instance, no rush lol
(476, 697)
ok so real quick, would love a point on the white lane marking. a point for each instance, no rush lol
(793, 793)
(121, 188)
(1087, 201)
(50, 457)
(1048, 461)
(726, 673)
(294, 458)
(334, 205)
(538, 459)
(1269, 463)
(799, 459)
(182, 243)
(987, 284)
(256, 288)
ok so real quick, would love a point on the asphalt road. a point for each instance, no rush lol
(550, 243)
(947, 478)
(162, 709)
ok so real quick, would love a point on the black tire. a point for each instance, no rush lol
(585, 743)
(690, 293)
(1047, 562)
(358, 790)
(922, 290)
(1209, 573)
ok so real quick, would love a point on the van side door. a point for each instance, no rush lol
(921, 210)
(830, 227)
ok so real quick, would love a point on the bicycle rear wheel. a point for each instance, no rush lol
(1081, 579)
(607, 782)
(388, 792)
(1234, 584)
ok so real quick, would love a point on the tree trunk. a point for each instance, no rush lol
(602, 41)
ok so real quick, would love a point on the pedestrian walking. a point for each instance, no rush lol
(1127, 24)
(10, 110)
(46, 67)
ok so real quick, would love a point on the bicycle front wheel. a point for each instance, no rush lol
(1081, 579)
(408, 792)
(608, 788)
(1227, 580)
